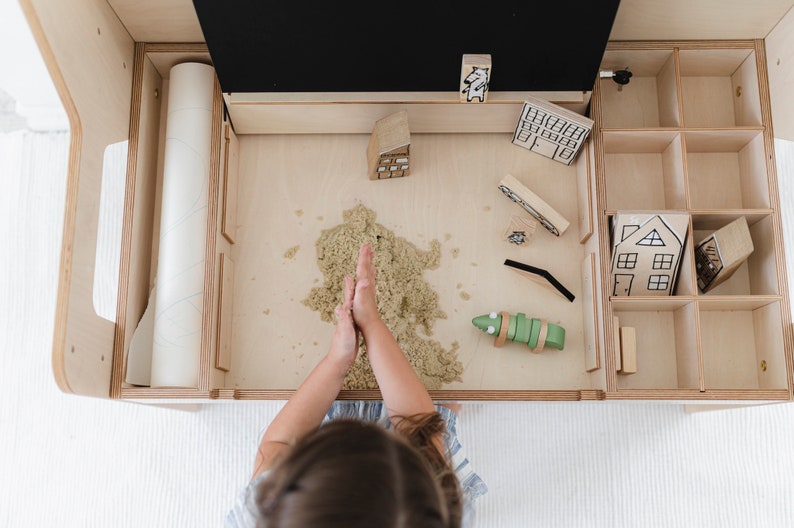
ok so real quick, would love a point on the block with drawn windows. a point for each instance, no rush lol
(388, 151)
(646, 252)
(475, 76)
(721, 253)
(550, 130)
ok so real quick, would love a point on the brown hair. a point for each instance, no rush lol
(353, 473)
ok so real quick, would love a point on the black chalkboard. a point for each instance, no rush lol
(294, 46)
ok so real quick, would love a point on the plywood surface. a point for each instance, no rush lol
(293, 187)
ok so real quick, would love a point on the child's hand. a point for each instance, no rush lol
(344, 343)
(365, 304)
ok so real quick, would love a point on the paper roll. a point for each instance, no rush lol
(183, 228)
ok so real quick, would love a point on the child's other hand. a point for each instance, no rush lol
(344, 343)
(365, 304)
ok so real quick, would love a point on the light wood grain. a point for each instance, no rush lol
(90, 57)
(296, 186)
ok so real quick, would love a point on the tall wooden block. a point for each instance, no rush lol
(388, 151)
(721, 253)
(628, 350)
(475, 77)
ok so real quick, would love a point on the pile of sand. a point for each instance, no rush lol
(405, 301)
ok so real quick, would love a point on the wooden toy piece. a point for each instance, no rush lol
(475, 76)
(551, 131)
(503, 327)
(721, 254)
(628, 350)
(536, 333)
(520, 230)
(647, 252)
(541, 277)
(388, 151)
(223, 343)
(616, 337)
(554, 222)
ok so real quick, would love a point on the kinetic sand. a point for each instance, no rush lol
(405, 301)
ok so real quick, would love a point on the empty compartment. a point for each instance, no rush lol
(719, 88)
(644, 170)
(650, 99)
(726, 169)
(742, 344)
(757, 275)
(666, 344)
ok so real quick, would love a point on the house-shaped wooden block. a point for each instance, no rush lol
(646, 252)
(721, 253)
(551, 130)
(388, 151)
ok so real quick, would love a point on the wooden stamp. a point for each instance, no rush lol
(475, 76)
(551, 131)
(554, 222)
(388, 152)
(721, 254)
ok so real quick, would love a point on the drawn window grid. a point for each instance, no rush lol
(658, 282)
(627, 260)
(663, 261)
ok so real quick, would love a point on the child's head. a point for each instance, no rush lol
(357, 474)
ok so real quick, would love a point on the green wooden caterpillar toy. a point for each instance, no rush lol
(536, 333)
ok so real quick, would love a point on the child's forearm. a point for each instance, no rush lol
(304, 411)
(403, 392)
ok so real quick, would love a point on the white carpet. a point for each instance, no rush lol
(72, 461)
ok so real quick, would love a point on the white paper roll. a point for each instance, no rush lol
(183, 227)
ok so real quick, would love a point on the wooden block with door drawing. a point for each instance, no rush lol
(646, 252)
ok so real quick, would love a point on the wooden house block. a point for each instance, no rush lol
(475, 76)
(551, 131)
(388, 151)
(628, 350)
(646, 252)
(721, 253)
(549, 218)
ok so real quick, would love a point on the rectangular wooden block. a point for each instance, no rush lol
(475, 76)
(628, 350)
(592, 348)
(231, 163)
(223, 338)
(616, 338)
(721, 253)
(548, 217)
(388, 151)
(550, 130)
